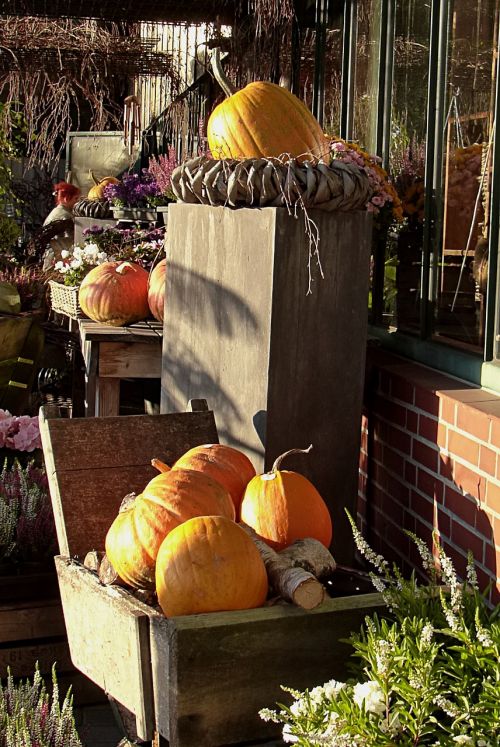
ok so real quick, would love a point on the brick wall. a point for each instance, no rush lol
(430, 448)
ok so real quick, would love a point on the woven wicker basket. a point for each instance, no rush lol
(64, 299)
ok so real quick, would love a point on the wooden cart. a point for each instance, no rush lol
(195, 680)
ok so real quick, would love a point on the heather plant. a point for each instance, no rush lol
(27, 530)
(161, 169)
(31, 717)
(427, 673)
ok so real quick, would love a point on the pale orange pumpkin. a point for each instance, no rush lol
(282, 506)
(115, 293)
(229, 466)
(209, 564)
(97, 191)
(156, 290)
(169, 499)
(263, 120)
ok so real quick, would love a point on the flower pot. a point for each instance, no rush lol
(148, 215)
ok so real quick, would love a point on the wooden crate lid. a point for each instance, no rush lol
(92, 463)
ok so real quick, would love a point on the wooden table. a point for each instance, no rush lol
(114, 353)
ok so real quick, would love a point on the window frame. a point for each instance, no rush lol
(474, 368)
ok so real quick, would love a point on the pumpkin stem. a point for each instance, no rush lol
(219, 74)
(160, 466)
(277, 463)
(124, 267)
(93, 177)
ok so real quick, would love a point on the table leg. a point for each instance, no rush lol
(91, 357)
(108, 396)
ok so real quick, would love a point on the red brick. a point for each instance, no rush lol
(430, 484)
(460, 505)
(391, 411)
(398, 439)
(393, 509)
(443, 524)
(493, 496)
(394, 461)
(442, 436)
(410, 473)
(428, 428)
(492, 559)
(422, 506)
(495, 433)
(484, 523)
(487, 460)
(402, 389)
(463, 538)
(399, 540)
(458, 557)
(461, 446)
(469, 481)
(364, 422)
(446, 467)
(384, 382)
(397, 489)
(412, 421)
(448, 409)
(473, 421)
(425, 455)
(426, 400)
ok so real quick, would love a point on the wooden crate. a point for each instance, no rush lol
(194, 680)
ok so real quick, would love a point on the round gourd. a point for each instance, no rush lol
(209, 564)
(263, 120)
(169, 499)
(227, 465)
(97, 191)
(156, 290)
(115, 293)
(283, 506)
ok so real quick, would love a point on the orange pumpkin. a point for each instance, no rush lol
(156, 290)
(209, 564)
(169, 499)
(227, 465)
(115, 293)
(97, 191)
(284, 506)
(263, 120)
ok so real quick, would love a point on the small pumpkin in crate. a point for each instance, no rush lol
(282, 506)
(169, 499)
(97, 191)
(262, 120)
(115, 293)
(229, 466)
(156, 290)
(209, 564)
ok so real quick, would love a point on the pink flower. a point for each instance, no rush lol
(19, 432)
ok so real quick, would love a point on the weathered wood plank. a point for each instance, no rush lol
(21, 658)
(37, 619)
(108, 397)
(133, 360)
(92, 463)
(146, 331)
(212, 673)
(109, 644)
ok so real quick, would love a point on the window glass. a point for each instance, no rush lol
(366, 75)
(407, 161)
(462, 240)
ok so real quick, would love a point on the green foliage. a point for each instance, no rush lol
(31, 717)
(427, 674)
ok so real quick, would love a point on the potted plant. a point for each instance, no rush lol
(427, 674)
(161, 168)
(133, 198)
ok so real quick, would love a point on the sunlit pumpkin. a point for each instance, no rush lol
(97, 191)
(169, 499)
(227, 465)
(263, 120)
(115, 293)
(156, 290)
(209, 564)
(283, 506)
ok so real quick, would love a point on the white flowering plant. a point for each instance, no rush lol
(428, 673)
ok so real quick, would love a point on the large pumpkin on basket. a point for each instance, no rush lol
(263, 120)
(227, 465)
(209, 564)
(169, 499)
(282, 506)
(115, 293)
(156, 290)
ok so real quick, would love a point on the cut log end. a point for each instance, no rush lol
(309, 594)
(107, 574)
(93, 559)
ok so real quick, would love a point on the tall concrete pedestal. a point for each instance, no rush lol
(281, 368)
